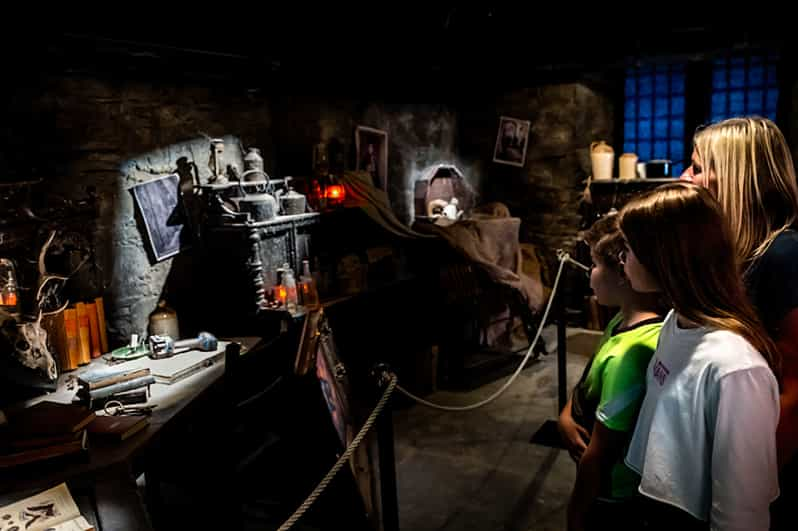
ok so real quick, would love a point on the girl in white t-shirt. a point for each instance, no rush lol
(704, 443)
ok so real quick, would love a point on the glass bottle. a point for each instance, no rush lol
(163, 321)
(9, 293)
(290, 290)
(310, 296)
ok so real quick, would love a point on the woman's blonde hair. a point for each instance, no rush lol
(680, 235)
(755, 177)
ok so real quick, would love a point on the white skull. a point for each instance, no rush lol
(32, 349)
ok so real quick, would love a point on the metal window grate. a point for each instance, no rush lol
(654, 113)
(744, 86)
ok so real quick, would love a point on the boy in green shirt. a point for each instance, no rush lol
(597, 422)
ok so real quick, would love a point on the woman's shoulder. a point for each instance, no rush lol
(728, 352)
(780, 258)
(784, 246)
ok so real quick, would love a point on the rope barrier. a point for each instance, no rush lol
(344, 457)
(564, 257)
(393, 384)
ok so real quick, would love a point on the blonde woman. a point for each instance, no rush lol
(705, 440)
(747, 165)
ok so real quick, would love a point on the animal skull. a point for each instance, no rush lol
(32, 349)
(28, 336)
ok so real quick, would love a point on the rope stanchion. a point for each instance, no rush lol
(393, 385)
(344, 457)
(564, 257)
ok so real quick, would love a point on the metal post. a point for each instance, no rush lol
(562, 375)
(387, 458)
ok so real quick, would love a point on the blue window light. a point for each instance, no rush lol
(654, 111)
(744, 86)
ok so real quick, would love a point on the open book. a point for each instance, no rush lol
(53, 509)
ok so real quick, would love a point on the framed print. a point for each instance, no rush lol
(371, 146)
(511, 141)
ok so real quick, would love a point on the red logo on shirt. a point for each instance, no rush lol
(660, 372)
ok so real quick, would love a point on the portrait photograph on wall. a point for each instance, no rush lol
(371, 146)
(511, 141)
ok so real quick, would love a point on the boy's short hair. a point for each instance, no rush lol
(605, 239)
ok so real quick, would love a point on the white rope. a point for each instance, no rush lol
(564, 257)
(392, 384)
(343, 459)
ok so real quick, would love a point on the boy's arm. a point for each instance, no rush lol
(622, 391)
(605, 448)
(573, 435)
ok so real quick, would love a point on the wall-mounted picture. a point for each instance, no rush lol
(511, 141)
(371, 146)
(163, 215)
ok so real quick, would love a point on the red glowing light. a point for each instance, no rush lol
(336, 192)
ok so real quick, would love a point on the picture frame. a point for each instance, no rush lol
(371, 149)
(317, 354)
(511, 141)
(163, 216)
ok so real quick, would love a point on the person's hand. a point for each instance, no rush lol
(573, 435)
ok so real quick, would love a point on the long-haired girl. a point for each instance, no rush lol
(705, 443)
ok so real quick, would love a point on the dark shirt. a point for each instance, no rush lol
(772, 284)
(772, 281)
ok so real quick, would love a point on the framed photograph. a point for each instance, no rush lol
(371, 146)
(164, 217)
(511, 141)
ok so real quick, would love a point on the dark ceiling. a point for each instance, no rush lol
(459, 45)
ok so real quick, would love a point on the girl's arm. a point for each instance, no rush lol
(787, 434)
(604, 450)
(744, 467)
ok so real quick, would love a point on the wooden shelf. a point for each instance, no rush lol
(19, 184)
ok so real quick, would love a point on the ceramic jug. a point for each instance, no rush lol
(602, 157)
(627, 166)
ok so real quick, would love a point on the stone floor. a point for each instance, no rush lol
(475, 470)
(478, 470)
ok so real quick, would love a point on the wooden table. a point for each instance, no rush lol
(111, 469)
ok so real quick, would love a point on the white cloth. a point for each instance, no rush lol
(705, 440)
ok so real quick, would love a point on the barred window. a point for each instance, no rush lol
(744, 86)
(654, 113)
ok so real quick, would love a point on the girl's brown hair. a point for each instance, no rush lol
(680, 235)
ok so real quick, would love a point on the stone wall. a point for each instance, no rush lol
(103, 134)
(545, 193)
(419, 135)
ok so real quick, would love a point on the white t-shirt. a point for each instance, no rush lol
(705, 440)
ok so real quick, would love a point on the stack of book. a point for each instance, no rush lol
(44, 431)
(127, 385)
(78, 334)
(51, 510)
(116, 428)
